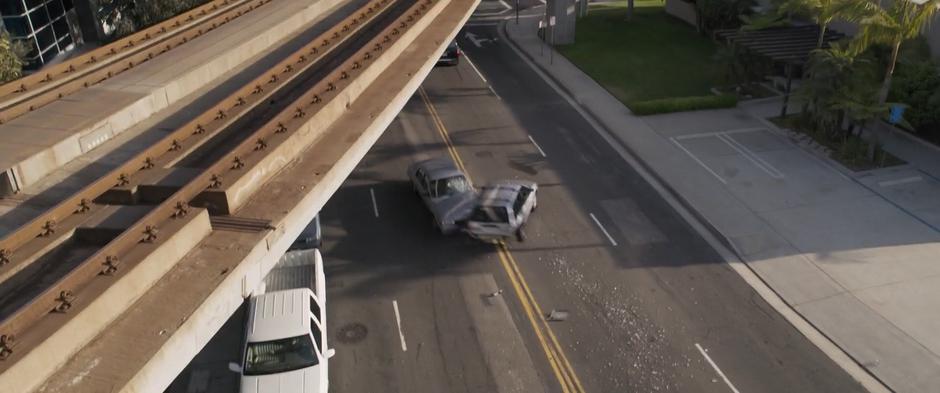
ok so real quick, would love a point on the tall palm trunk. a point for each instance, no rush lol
(822, 35)
(889, 74)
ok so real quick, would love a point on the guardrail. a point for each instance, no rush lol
(56, 81)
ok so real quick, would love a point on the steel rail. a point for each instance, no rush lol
(75, 209)
(61, 294)
(21, 247)
(51, 83)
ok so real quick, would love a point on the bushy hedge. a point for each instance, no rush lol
(682, 104)
(918, 85)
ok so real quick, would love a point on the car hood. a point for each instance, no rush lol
(455, 207)
(306, 380)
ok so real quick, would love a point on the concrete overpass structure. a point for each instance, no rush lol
(117, 284)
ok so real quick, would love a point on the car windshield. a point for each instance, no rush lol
(277, 356)
(451, 185)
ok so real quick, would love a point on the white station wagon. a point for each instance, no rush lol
(284, 350)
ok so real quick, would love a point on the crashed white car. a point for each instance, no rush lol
(501, 210)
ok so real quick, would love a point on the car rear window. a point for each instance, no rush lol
(490, 214)
(278, 356)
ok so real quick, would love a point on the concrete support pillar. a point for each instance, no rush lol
(88, 21)
(565, 13)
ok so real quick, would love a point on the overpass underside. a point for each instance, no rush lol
(133, 328)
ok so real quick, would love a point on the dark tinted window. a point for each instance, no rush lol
(11, 7)
(30, 4)
(490, 214)
(317, 336)
(520, 199)
(55, 9)
(315, 308)
(39, 17)
(18, 26)
(46, 38)
(61, 28)
(65, 41)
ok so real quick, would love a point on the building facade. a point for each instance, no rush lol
(48, 27)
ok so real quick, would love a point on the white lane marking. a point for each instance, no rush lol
(889, 183)
(694, 157)
(480, 74)
(375, 205)
(401, 335)
(475, 68)
(612, 241)
(542, 152)
(708, 134)
(833, 351)
(717, 370)
(752, 156)
(476, 41)
(494, 93)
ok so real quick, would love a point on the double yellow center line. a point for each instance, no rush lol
(546, 337)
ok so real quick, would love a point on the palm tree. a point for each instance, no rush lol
(900, 21)
(828, 72)
(11, 62)
(823, 12)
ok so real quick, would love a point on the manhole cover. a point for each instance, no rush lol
(352, 333)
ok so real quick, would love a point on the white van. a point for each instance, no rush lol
(284, 350)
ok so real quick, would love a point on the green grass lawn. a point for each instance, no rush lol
(653, 56)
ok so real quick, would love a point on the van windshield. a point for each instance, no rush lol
(278, 356)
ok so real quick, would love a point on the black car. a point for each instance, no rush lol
(309, 237)
(451, 55)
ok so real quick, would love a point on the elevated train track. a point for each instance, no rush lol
(60, 271)
(56, 81)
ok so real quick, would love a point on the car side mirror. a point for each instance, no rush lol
(330, 352)
(235, 367)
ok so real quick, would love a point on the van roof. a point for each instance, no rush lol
(280, 314)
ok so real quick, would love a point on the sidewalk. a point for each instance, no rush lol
(855, 254)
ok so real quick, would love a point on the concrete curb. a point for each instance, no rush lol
(826, 344)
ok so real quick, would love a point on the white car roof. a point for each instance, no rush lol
(280, 314)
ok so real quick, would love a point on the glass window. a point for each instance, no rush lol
(46, 38)
(520, 199)
(317, 335)
(490, 214)
(452, 185)
(18, 26)
(49, 53)
(12, 7)
(278, 356)
(67, 4)
(65, 41)
(39, 17)
(55, 9)
(30, 4)
(315, 308)
(60, 27)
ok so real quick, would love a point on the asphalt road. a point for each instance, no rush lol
(651, 307)
(643, 313)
